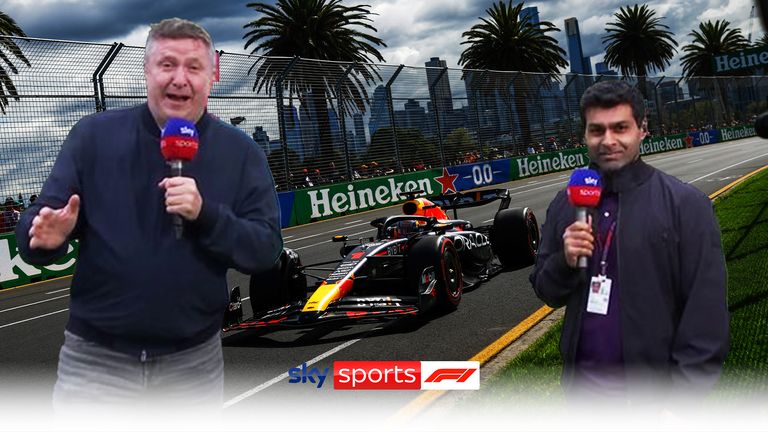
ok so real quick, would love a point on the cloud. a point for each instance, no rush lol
(414, 30)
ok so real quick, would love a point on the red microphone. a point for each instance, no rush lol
(178, 144)
(584, 191)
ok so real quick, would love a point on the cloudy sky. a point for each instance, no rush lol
(414, 30)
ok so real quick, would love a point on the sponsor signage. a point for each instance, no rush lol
(730, 63)
(664, 144)
(481, 174)
(334, 200)
(533, 165)
(728, 134)
(704, 137)
(14, 271)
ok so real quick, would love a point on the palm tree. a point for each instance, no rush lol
(322, 30)
(638, 43)
(505, 42)
(763, 41)
(8, 27)
(710, 40)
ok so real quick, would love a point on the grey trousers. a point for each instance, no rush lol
(92, 376)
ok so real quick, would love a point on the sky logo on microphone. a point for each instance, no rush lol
(184, 130)
(584, 188)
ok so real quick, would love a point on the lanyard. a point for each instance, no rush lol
(606, 248)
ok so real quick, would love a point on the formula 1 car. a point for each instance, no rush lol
(420, 260)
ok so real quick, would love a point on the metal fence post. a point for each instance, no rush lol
(341, 115)
(433, 96)
(567, 103)
(658, 105)
(475, 88)
(391, 109)
(98, 76)
(281, 118)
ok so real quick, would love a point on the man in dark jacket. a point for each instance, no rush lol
(651, 312)
(147, 307)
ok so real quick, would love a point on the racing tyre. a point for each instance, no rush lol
(280, 285)
(515, 237)
(438, 254)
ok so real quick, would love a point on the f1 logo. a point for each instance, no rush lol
(457, 375)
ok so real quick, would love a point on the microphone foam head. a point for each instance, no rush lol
(179, 140)
(584, 188)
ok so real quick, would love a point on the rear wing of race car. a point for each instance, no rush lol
(472, 199)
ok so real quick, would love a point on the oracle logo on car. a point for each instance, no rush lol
(406, 375)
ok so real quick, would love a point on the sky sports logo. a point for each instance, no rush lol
(392, 375)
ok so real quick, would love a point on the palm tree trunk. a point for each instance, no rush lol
(325, 139)
(522, 112)
(723, 100)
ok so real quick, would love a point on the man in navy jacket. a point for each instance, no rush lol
(652, 315)
(146, 307)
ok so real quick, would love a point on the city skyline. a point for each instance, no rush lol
(414, 32)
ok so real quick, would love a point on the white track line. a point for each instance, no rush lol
(54, 292)
(32, 304)
(283, 376)
(33, 318)
(325, 233)
(729, 166)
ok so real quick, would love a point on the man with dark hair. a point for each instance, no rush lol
(655, 250)
(146, 308)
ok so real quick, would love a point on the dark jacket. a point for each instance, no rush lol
(671, 270)
(137, 288)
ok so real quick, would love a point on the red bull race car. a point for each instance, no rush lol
(421, 260)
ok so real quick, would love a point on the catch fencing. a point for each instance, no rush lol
(323, 122)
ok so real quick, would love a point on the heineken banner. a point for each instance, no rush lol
(544, 163)
(14, 271)
(335, 200)
(734, 133)
(665, 143)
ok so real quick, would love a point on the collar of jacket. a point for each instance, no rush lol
(627, 178)
(148, 121)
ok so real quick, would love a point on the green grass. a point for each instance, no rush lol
(743, 217)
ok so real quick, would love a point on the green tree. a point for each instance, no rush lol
(763, 41)
(637, 43)
(504, 42)
(8, 27)
(458, 143)
(709, 40)
(414, 148)
(321, 30)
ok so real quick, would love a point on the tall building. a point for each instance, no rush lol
(439, 91)
(379, 111)
(360, 140)
(262, 139)
(579, 63)
(602, 68)
(531, 13)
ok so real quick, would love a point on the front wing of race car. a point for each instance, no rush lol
(352, 308)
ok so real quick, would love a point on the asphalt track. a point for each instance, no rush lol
(32, 318)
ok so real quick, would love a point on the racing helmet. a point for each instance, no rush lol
(403, 228)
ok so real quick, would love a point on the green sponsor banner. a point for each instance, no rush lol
(335, 200)
(663, 144)
(533, 165)
(734, 133)
(14, 271)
